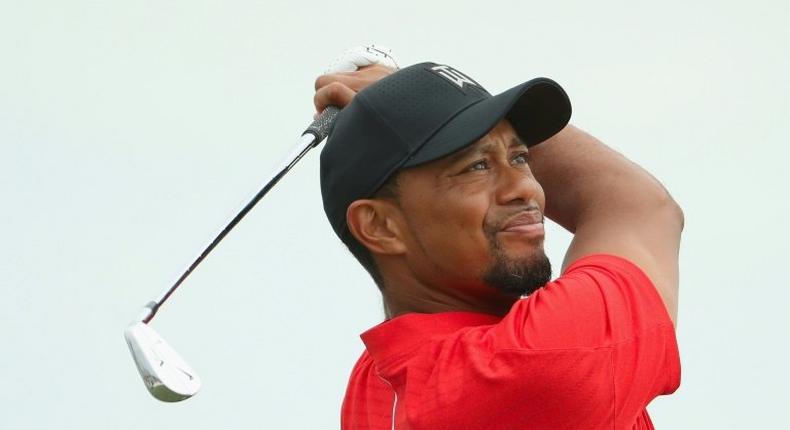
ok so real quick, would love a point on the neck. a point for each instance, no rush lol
(405, 294)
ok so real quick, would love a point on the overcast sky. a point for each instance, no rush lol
(130, 132)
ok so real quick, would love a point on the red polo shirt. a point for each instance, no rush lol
(590, 350)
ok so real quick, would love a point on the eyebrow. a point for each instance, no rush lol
(484, 148)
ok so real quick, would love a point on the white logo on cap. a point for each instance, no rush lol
(453, 75)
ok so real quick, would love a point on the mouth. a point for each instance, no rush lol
(529, 223)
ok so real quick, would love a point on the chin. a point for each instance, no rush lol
(523, 252)
(518, 276)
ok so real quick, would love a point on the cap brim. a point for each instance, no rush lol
(537, 110)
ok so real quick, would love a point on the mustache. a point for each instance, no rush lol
(492, 226)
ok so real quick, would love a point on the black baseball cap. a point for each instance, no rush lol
(419, 114)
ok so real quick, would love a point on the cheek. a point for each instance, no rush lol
(450, 232)
(540, 196)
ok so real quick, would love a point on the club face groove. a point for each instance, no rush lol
(165, 374)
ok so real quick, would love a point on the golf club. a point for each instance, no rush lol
(166, 375)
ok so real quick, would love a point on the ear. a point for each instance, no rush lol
(376, 224)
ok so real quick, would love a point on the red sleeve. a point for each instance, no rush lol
(601, 302)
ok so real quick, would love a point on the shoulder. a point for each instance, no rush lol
(369, 399)
(622, 285)
(363, 373)
(598, 301)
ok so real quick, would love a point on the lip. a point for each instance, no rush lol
(528, 222)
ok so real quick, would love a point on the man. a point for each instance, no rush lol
(439, 190)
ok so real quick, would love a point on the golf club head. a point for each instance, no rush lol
(166, 375)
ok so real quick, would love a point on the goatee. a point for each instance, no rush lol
(518, 277)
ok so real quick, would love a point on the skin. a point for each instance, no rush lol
(433, 243)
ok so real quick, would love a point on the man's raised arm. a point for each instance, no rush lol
(611, 205)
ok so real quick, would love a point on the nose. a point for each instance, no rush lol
(517, 186)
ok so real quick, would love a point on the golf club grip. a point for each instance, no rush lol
(322, 125)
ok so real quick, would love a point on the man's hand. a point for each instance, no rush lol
(337, 89)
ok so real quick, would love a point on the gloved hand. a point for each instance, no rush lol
(348, 74)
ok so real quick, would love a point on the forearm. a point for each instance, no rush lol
(584, 178)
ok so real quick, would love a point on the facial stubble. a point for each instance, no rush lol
(516, 276)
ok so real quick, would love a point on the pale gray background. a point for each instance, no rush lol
(131, 131)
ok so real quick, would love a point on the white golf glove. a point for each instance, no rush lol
(361, 56)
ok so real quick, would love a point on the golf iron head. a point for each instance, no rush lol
(166, 375)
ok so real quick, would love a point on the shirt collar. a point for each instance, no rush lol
(404, 333)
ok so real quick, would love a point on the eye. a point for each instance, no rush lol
(477, 166)
(521, 158)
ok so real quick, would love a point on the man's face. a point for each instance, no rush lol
(475, 219)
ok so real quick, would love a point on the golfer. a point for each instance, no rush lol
(440, 190)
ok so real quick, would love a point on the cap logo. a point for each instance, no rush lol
(454, 76)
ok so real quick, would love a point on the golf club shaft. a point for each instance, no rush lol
(314, 134)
